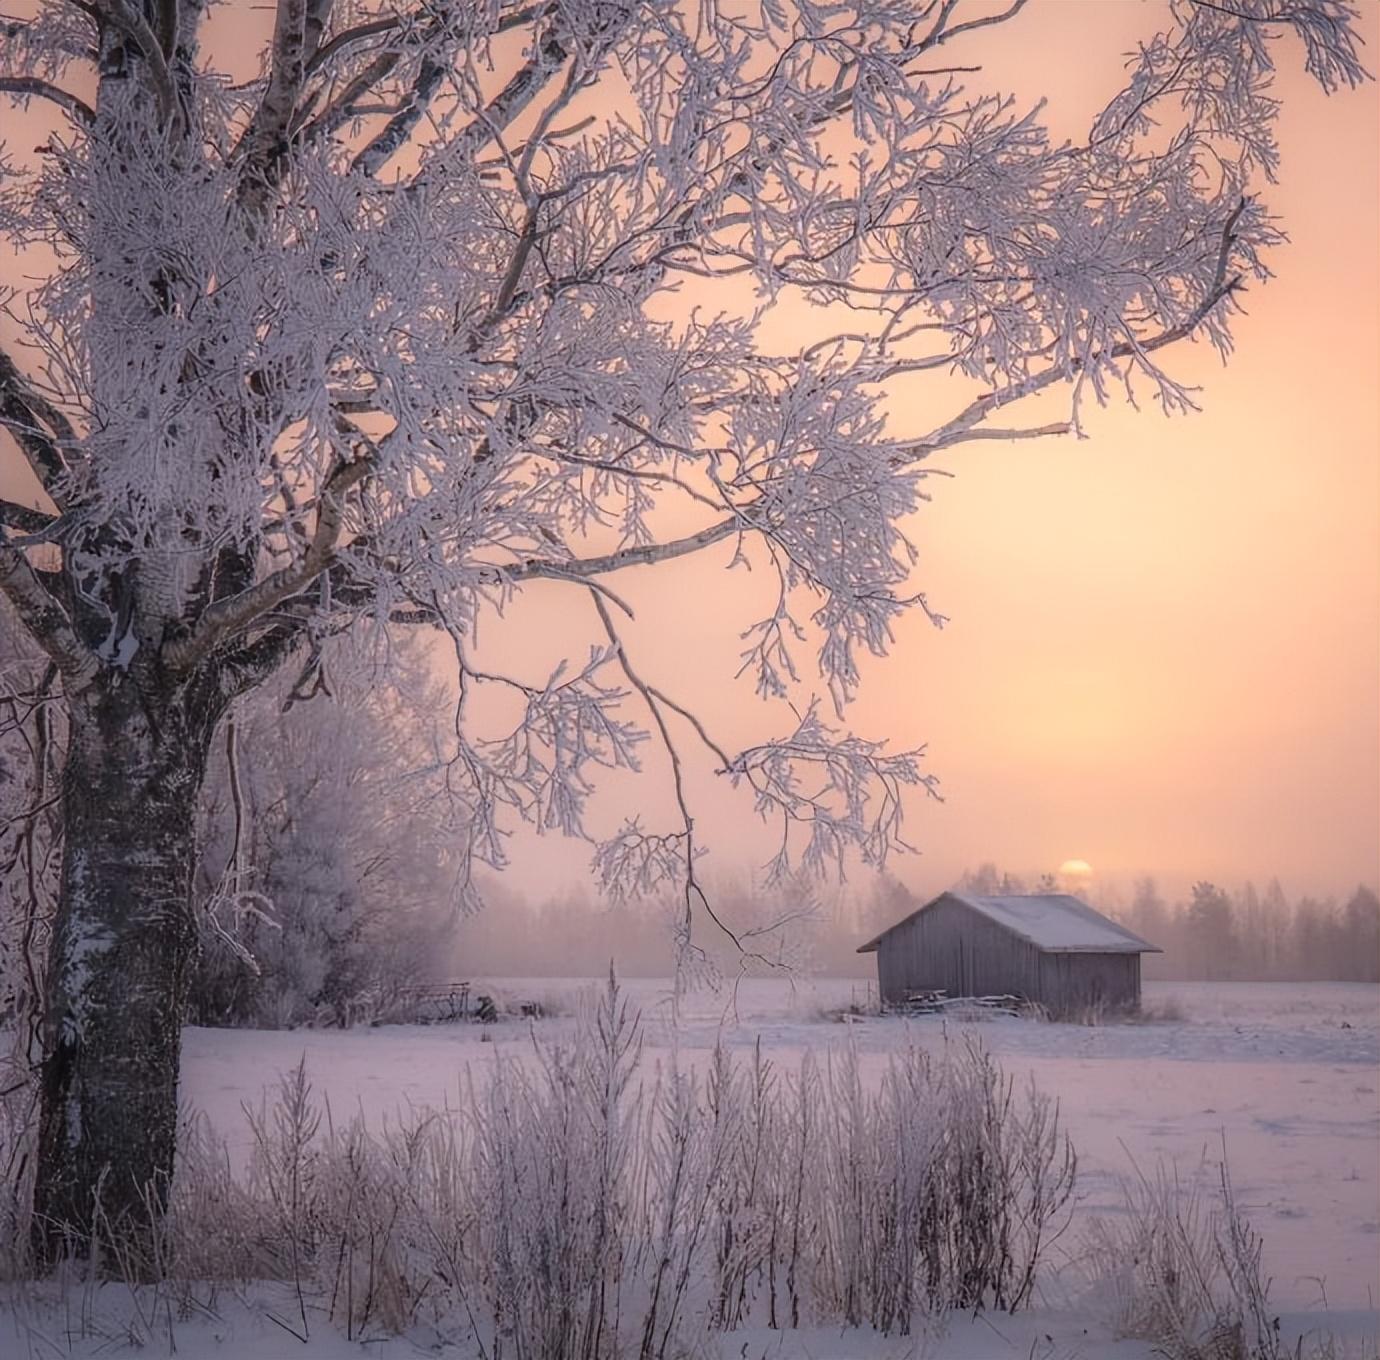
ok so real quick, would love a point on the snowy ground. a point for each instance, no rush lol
(1286, 1074)
(240, 1331)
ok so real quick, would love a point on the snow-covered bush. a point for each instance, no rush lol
(1181, 1268)
(328, 875)
(580, 1203)
(326, 896)
(586, 1207)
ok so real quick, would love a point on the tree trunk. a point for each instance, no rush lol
(122, 949)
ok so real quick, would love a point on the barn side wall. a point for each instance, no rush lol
(1077, 982)
(950, 948)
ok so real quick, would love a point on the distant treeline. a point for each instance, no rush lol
(1252, 936)
(1240, 934)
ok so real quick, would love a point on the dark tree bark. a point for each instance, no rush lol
(122, 950)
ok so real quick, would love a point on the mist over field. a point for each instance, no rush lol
(1209, 932)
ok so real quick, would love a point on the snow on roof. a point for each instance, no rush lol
(1053, 922)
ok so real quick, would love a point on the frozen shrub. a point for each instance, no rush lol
(328, 877)
(942, 1189)
(583, 1205)
(1181, 1268)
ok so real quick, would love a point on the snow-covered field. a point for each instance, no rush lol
(1285, 1075)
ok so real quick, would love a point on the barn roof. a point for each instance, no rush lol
(1053, 922)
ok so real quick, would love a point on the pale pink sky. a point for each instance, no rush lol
(1164, 648)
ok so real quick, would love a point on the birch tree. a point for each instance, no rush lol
(400, 321)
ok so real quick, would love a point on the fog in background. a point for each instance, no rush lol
(1243, 932)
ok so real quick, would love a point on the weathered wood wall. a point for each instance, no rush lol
(1070, 982)
(951, 948)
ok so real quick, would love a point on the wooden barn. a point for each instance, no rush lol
(1049, 949)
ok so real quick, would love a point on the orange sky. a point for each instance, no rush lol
(1164, 648)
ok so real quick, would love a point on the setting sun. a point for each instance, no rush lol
(1075, 869)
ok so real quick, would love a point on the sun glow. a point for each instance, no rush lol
(1075, 870)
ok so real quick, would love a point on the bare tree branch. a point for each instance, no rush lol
(577, 568)
(390, 23)
(347, 37)
(25, 519)
(25, 415)
(297, 30)
(132, 23)
(32, 87)
(400, 126)
(515, 96)
(692, 891)
(942, 33)
(966, 436)
(44, 617)
(241, 669)
(226, 617)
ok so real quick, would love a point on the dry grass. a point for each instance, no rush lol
(1165, 1012)
(588, 1203)
(1181, 1268)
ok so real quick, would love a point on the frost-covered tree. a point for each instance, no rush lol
(401, 319)
(31, 741)
(1210, 937)
(1361, 925)
(330, 852)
